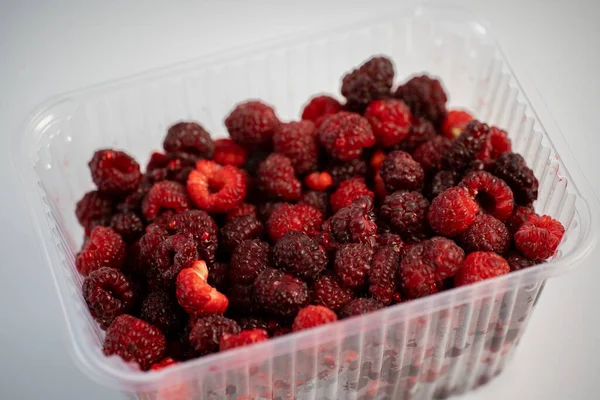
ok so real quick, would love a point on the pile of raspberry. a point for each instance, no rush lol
(284, 226)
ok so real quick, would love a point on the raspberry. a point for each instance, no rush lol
(344, 135)
(243, 210)
(218, 276)
(300, 255)
(390, 120)
(248, 260)
(293, 217)
(517, 261)
(486, 234)
(189, 142)
(320, 107)
(393, 240)
(406, 213)
(108, 294)
(493, 194)
(467, 146)
(328, 291)
(128, 225)
(114, 172)
(518, 218)
(244, 338)
(452, 212)
(165, 195)
(312, 316)
(420, 131)
(251, 323)
(341, 171)
(94, 209)
(400, 172)
(279, 294)
(348, 191)
(241, 299)
(215, 188)
(276, 178)
(133, 201)
(228, 152)
(440, 182)
(425, 96)
(208, 331)
(251, 124)
(443, 255)
(371, 81)
(150, 241)
(239, 229)
(355, 223)
(455, 122)
(157, 161)
(417, 277)
(135, 340)
(359, 306)
(429, 154)
(195, 295)
(382, 275)
(513, 170)
(161, 310)
(496, 144)
(538, 238)
(201, 228)
(481, 265)
(171, 256)
(164, 363)
(352, 263)
(319, 181)
(104, 248)
(297, 141)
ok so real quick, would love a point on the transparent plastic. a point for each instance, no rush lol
(432, 347)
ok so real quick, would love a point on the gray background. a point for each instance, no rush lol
(47, 48)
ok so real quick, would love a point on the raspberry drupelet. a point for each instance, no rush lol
(114, 172)
(276, 178)
(390, 119)
(344, 135)
(215, 188)
(298, 142)
(538, 238)
(400, 172)
(479, 266)
(371, 81)
(348, 191)
(425, 96)
(188, 141)
(252, 124)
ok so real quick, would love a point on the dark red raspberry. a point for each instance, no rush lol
(400, 172)
(218, 273)
(443, 255)
(481, 265)
(491, 193)
(417, 278)
(348, 191)
(496, 144)
(243, 210)
(104, 248)
(298, 142)
(228, 152)
(312, 316)
(393, 240)
(250, 323)
(420, 131)
(355, 223)
(373, 80)
(94, 209)
(149, 242)
(161, 310)
(517, 261)
(359, 306)
(513, 170)
(277, 179)
(164, 363)
(114, 172)
(300, 255)
(248, 260)
(452, 212)
(486, 234)
(406, 214)
(244, 338)
(341, 171)
(108, 294)
(466, 147)
(252, 124)
(383, 273)
(198, 225)
(320, 107)
(241, 299)
(344, 135)
(328, 291)
(165, 195)
(518, 218)
(171, 256)
(390, 120)
(279, 294)
(128, 225)
(538, 238)
(455, 122)
(215, 188)
(318, 200)
(189, 142)
(441, 181)
(157, 161)
(239, 229)
(352, 264)
(135, 340)
(265, 209)
(319, 181)
(208, 331)
(133, 201)
(425, 96)
(430, 153)
(294, 217)
(176, 170)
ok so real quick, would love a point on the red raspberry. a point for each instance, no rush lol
(94, 209)
(344, 135)
(241, 299)
(355, 223)
(400, 172)
(359, 306)
(493, 194)
(377, 159)
(352, 264)
(341, 171)
(452, 212)
(300, 255)
(195, 295)
(208, 331)
(276, 178)
(215, 188)
(348, 191)
(312, 316)
(108, 294)
(171, 256)
(467, 146)
(298, 142)
(425, 96)
(513, 170)
(420, 131)
(371, 81)
(518, 218)
(486, 234)
(320, 107)
(279, 294)
(244, 338)
(390, 120)
(440, 182)
(417, 278)
(165, 195)
(228, 152)
(161, 310)
(128, 225)
(198, 225)
(539, 237)
(135, 340)
(293, 217)
(406, 213)
(248, 260)
(455, 122)
(252, 124)
(517, 261)
(443, 255)
(383, 272)
(239, 229)
(481, 265)
(114, 172)
(164, 363)
(318, 200)
(243, 210)
(189, 142)
(104, 248)
(430, 153)
(496, 144)
(319, 181)
(328, 291)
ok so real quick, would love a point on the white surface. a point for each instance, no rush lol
(49, 49)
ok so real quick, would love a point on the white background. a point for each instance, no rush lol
(47, 48)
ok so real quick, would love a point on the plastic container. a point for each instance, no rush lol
(432, 347)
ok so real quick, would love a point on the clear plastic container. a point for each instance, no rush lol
(429, 348)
